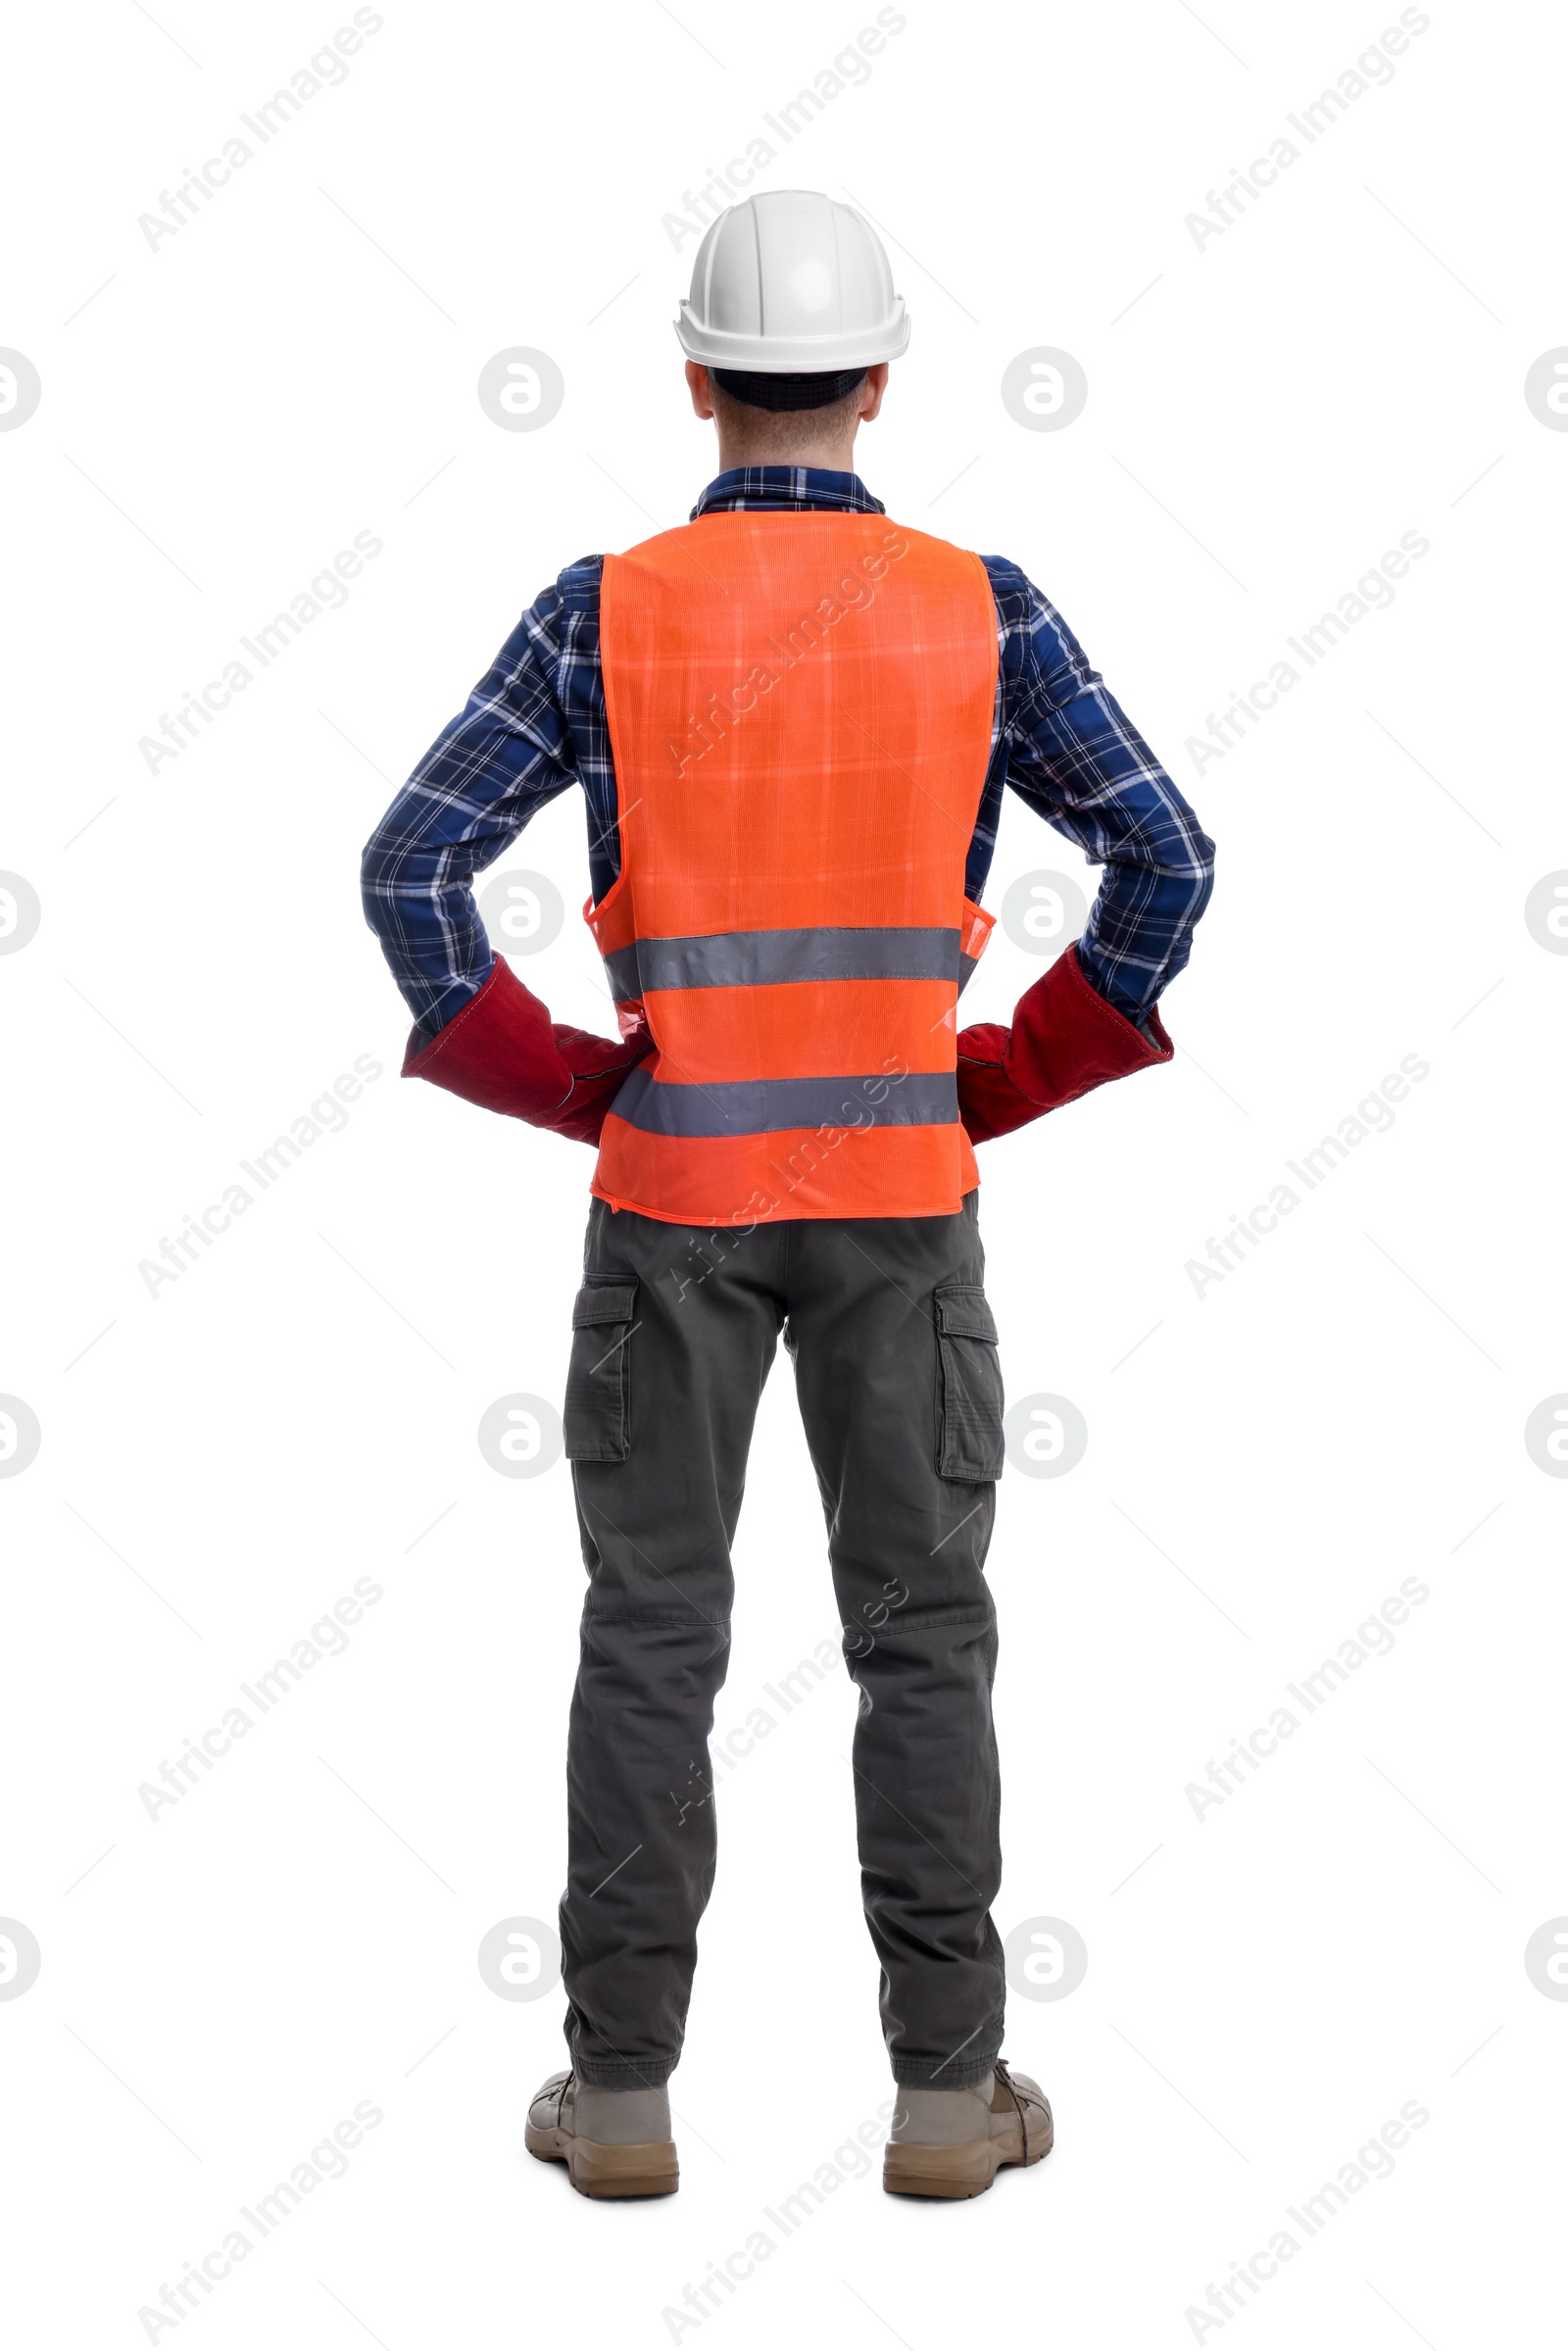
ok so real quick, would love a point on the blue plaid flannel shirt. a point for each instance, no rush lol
(536, 722)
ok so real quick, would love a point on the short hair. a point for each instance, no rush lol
(782, 392)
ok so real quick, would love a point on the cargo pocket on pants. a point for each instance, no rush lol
(969, 1445)
(598, 1413)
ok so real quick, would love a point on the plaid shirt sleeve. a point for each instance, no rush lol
(513, 747)
(1066, 747)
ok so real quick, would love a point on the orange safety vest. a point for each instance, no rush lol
(800, 709)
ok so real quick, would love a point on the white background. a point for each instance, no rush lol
(1341, 1935)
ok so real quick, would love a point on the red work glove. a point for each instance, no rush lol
(503, 1052)
(1065, 1041)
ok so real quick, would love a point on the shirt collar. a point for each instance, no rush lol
(759, 488)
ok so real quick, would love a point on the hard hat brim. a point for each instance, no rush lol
(793, 354)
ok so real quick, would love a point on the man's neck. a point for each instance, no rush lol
(839, 457)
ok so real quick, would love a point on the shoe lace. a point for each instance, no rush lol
(1008, 2085)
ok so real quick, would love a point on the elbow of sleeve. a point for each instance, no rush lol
(372, 868)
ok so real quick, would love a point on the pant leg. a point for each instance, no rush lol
(671, 1387)
(901, 1395)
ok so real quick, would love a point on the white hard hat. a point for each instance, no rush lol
(792, 283)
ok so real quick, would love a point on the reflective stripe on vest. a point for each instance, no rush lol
(800, 709)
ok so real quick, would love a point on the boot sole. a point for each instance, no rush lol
(596, 2169)
(913, 2170)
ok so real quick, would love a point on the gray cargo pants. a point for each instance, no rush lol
(895, 1369)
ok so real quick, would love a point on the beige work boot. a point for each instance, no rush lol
(952, 2142)
(613, 2142)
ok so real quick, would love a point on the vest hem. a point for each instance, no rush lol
(782, 1214)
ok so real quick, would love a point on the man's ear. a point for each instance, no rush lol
(698, 385)
(871, 391)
